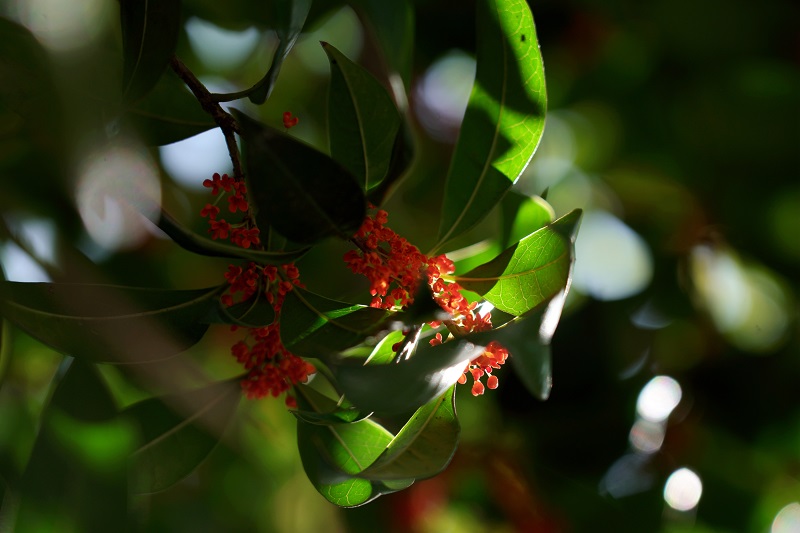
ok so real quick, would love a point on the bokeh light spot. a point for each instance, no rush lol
(658, 399)
(63, 25)
(219, 48)
(787, 520)
(443, 94)
(683, 490)
(192, 160)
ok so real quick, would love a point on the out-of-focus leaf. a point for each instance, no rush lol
(150, 30)
(405, 386)
(504, 119)
(529, 272)
(200, 245)
(169, 113)
(362, 119)
(341, 412)
(289, 17)
(315, 326)
(302, 193)
(522, 215)
(103, 323)
(424, 446)
(76, 481)
(256, 312)
(333, 455)
(178, 432)
(392, 24)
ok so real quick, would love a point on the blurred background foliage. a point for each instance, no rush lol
(674, 125)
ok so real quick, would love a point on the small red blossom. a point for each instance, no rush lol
(219, 229)
(209, 211)
(289, 121)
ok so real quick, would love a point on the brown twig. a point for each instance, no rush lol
(223, 119)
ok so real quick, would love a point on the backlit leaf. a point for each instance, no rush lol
(362, 118)
(530, 272)
(504, 119)
(169, 113)
(178, 432)
(150, 30)
(424, 446)
(302, 193)
(338, 413)
(522, 215)
(103, 323)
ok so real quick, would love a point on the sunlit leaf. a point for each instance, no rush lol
(192, 242)
(504, 119)
(340, 412)
(302, 193)
(529, 272)
(289, 18)
(315, 326)
(333, 455)
(424, 446)
(404, 386)
(103, 323)
(63, 487)
(522, 215)
(169, 113)
(178, 432)
(150, 30)
(362, 119)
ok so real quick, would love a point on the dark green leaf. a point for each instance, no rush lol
(103, 323)
(362, 119)
(405, 386)
(200, 245)
(150, 30)
(290, 16)
(425, 445)
(522, 215)
(300, 192)
(333, 455)
(178, 432)
(75, 479)
(504, 119)
(402, 156)
(530, 272)
(315, 326)
(392, 24)
(170, 113)
(256, 312)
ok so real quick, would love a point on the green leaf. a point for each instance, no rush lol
(105, 323)
(530, 272)
(405, 386)
(392, 24)
(302, 193)
(150, 30)
(200, 245)
(333, 455)
(504, 119)
(362, 118)
(75, 480)
(169, 113)
(522, 215)
(424, 446)
(256, 312)
(290, 16)
(178, 432)
(340, 412)
(315, 326)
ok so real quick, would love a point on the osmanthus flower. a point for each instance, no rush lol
(271, 368)
(395, 267)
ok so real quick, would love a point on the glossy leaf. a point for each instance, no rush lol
(424, 446)
(103, 323)
(315, 326)
(522, 215)
(169, 113)
(362, 118)
(178, 432)
(338, 413)
(333, 455)
(530, 272)
(150, 30)
(405, 386)
(302, 193)
(192, 242)
(504, 119)
(290, 16)
(256, 312)
(77, 478)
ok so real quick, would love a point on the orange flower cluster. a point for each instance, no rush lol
(271, 368)
(394, 268)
